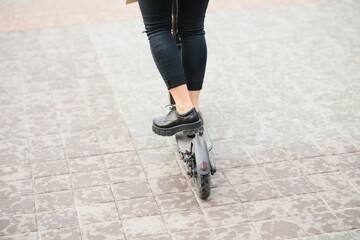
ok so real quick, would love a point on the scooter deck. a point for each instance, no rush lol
(184, 142)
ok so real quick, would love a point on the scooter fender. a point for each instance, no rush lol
(200, 149)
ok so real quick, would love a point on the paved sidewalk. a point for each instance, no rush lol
(78, 91)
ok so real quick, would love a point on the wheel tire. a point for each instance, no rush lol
(203, 185)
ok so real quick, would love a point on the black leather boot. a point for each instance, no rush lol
(174, 122)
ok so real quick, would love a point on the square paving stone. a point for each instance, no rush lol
(331, 236)
(13, 173)
(225, 215)
(306, 203)
(93, 195)
(293, 186)
(62, 233)
(350, 218)
(57, 219)
(267, 209)
(127, 173)
(139, 207)
(16, 188)
(52, 184)
(54, 200)
(242, 231)
(89, 179)
(328, 181)
(145, 226)
(286, 228)
(118, 160)
(17, 205)
(318, 223)
(22, 236)
(15, 224)
(128, 190)
(106, 230)
(316, 165)
(203, 234)
(45, 169)
(269, 156)
(85, 164)
(163, 169)
(340, 199)
(165, 185)
(256, 191)
(177, 202)
(190, 220)
(244, 175)
(101, 212)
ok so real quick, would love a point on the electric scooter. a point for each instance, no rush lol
(194, 149)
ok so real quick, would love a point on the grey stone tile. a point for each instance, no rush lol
(286, 228)
(145, 226)
(128, 190)
(117, 160)
(196, 235)
(269, 155)
(16, 158)
(54, 201)
(127, 173)
(329, 236)
(93, 195)
(244, 175)
(280, 170)
(162, 169)
(233, 160)
(267, 209)
(318, 223)
(156, 155)
(328, 181)
(191, 220)
(17, 205)
(62, 233)
(47, 154)
(52, 184)
(305, 203)
(16, 224)
(105, 230)
(139, 207)
(225, 215)
(45, 169)
(177, 202)
(13, 173)
(57, 219)
(244, 231)
(341, 199)
(22, 236)
(89, 179)
(16, 188)
(85, 164)
(164, 185)
(256, 191)
(101, 212)
(350, 218)
(293, 186)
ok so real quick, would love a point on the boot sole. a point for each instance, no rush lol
(190, 128)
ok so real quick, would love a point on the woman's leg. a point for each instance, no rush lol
(157, 19)
(194, 49)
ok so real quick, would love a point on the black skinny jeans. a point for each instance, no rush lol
(174, 69)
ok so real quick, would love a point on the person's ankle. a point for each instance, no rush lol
(183, 110)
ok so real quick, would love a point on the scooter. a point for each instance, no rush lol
(194, 149)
